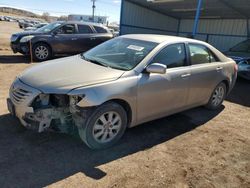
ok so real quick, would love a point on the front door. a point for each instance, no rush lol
(164, 94)
(86, 38)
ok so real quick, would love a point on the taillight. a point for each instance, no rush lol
(235, 68)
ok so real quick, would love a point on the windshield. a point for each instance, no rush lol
(242, 47)
(49, 27)
(120, 53)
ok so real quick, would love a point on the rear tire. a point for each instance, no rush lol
(217, 97)
(104, 127)
(41, 52)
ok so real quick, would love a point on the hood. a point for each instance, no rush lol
(26, 33)
(30, 29)
(238, 56)
(62, 75)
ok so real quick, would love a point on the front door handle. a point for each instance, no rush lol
(185, 75)
(74, 39)
(92, 38)
(219, 68)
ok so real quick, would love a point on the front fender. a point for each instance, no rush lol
(124, 89)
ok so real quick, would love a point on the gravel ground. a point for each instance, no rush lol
(195, 148)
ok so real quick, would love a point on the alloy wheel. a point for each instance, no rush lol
(218, 96)
(107, 127)
(41, 52)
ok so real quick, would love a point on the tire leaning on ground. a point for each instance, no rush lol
(105, 126)
(41, 52)
(217, 96)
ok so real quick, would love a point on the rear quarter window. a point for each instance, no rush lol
(200, 54)
(100, 29)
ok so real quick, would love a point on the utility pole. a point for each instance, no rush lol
(93, 12)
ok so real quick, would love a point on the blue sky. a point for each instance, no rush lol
(110, 8)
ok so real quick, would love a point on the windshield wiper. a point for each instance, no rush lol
(94, 61)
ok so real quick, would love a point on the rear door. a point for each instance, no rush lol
(85, 38)
(64, 39)
(205, 73)
(102, 34)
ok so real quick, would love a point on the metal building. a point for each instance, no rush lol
(87, 18)
(222, 23)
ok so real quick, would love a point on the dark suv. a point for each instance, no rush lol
(241, 54)
(60, 38)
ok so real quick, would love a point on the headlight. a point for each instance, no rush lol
(76, 99)
(26, 39)
(13, 38)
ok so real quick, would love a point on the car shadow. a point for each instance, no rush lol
(14, 59)
(240, 93)
(37, 160)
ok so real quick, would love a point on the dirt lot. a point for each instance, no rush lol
(196, 148)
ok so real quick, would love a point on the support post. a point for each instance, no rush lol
(197, 16)
(248, 28)
(121, 17)
(93, 11)
(178, 27)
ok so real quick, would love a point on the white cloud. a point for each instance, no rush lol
(116, 1)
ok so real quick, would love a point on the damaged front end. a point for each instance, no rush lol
(40, 112)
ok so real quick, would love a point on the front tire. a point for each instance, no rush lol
(105, 126)
(41, 52)
(217, 97)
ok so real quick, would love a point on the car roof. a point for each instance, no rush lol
(82, 22)
(166, 39)
(160, 38)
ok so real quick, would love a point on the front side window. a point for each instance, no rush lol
(120, 53)
(173, 56)
(84, 29)
(200, 54)
(67, 29)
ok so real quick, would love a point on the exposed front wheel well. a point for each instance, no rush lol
(126, 107)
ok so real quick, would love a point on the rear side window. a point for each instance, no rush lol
(100, 29)
(200, 54)
(173, 56)
(84, 29)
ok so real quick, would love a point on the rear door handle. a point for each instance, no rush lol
(185, 75)
(219, 68)
(74, 39)
(92, 38)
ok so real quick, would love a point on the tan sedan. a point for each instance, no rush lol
(121, 83)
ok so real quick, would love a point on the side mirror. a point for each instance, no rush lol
(156, 68)
(54, 33)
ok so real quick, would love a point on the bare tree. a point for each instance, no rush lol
(62, 18)
(46, 16)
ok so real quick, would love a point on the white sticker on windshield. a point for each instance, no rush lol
(134, 47)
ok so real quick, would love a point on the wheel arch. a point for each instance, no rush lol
(43, 42)
(126, 107)
(226, 82)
